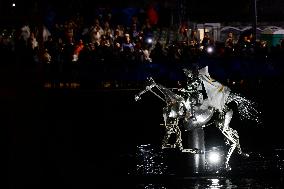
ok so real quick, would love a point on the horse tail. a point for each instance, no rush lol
(248, 109)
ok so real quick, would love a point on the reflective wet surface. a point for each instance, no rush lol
(216, 182)
(154, 171)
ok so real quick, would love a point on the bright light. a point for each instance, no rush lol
(13, 4)
(215, 181)
(149, 40)
(214, 157)
(215, 184)
(209, 49)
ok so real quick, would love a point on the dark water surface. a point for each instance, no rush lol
(216, 182)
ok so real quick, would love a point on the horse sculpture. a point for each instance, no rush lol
(195, 111)
(172, 112)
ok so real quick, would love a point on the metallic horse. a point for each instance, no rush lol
(194, 111)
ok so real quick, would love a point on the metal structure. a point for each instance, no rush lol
(193, 111)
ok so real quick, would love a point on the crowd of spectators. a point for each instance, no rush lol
(106, 48)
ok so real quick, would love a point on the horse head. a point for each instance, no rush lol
(150, 83)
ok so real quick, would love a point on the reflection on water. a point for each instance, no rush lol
(152, 163)
(152, 186)
(216, 183)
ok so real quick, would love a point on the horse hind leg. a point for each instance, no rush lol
(236, 139)
(232, 140)
(233, 137)
(232, 148)
(234, 133)
(228, 118)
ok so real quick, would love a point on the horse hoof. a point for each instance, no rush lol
(137, 98)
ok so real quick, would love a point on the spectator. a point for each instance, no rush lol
(127, 48)
(229, 44)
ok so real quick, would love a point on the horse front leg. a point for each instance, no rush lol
(148, 88)
(165, 141)
(167, 134)
(169, 131)
(178, 142)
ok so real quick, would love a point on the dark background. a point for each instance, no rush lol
(76, 136)
(195, 10)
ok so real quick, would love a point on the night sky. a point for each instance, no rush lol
(196, 10)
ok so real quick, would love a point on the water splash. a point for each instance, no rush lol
(247, 109)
